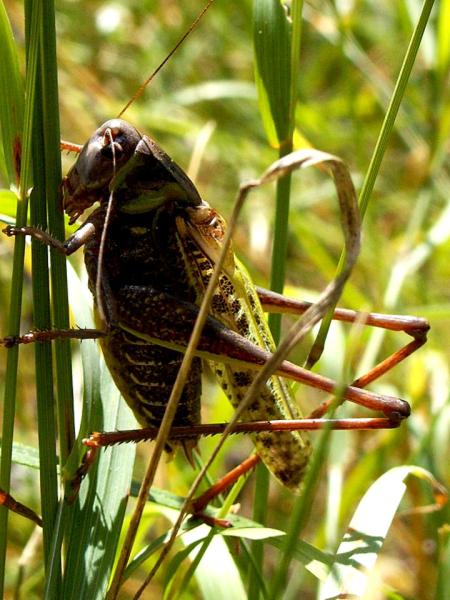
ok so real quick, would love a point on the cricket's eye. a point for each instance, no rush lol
(115, 139)
(112, 148)
(107, 150)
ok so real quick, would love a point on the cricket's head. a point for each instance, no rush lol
(111, 146)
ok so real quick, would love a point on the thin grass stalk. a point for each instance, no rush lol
(283, 189)
(9, 399)
(222, 513)
(41, 297)
(11, 104)
(169, 414)
(300, 512)
(49, 185)
(277, 279)
(279, 254)
(43, 350)
(393, 108)
(378, 153)
(16, 299)
(60, 304)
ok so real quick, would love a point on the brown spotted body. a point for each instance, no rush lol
(135, 264)
(237, 306)
(159, 244)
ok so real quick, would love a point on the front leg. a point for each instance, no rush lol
(72, 244)
(51, 334)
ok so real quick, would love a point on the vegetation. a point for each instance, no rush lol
(203, 109)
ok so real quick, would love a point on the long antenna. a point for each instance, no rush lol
(141, 89)
(101, 253)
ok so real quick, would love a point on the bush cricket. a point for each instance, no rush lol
(150, 249)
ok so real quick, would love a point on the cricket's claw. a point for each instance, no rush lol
(10, 230)
(406, 410)
(27, 338)
(398, 416)
(9, 341)
(397, 409)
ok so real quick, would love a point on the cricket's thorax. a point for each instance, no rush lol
(142, 255)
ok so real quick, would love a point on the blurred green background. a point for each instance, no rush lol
(202, 109)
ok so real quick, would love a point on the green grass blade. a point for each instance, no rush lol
(216, 571)
(60, 305)
(394, 105)
(272, 42)
(11, 101)
(95, 520)
(36, 28)
(98, 513)
(50, 140)
(277, 55)
(299, 514)
(13, 122)
(367, 531)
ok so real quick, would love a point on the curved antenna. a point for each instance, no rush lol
(141, 89)
(101, 253)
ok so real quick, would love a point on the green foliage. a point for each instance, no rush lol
(11, 104)
(202, 109)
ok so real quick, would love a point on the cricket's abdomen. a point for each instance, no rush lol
(236, 305)
(145, 374)
(141, 252)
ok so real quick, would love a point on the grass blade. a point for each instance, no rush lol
(367, 531)
(16, 134)
(379, 152)
(277, 55)
(11, 102)
(94, 522)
